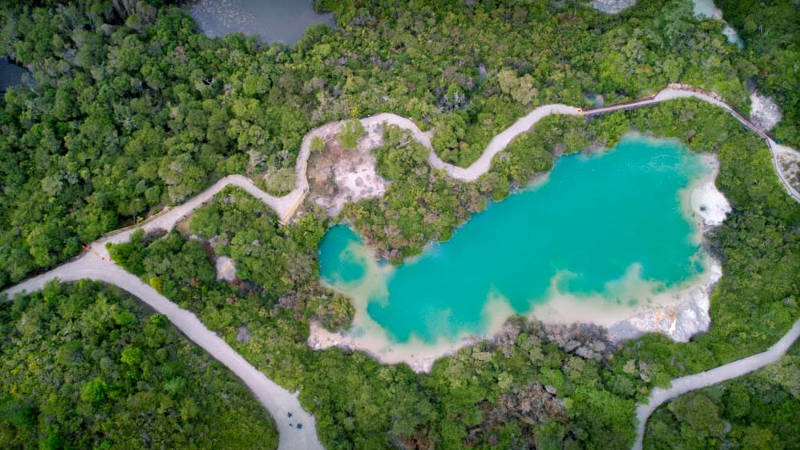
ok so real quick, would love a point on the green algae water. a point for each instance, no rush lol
(596, 222)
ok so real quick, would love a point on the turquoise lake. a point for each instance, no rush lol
(594, 222)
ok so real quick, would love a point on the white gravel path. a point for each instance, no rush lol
(711, 377)
(278, 401)
(95, 263)
(501, 140)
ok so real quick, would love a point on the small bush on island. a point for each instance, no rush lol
(349, 134)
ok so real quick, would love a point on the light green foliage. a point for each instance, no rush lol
(521, 89)
(86, 366)
(349, 134)
(317, 144)
(94, 392)
(280, 182)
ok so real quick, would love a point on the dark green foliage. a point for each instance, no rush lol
(278, 258)
(166, 259)
(85, 366)
(420, 205)
(134, 109)
(769, 30)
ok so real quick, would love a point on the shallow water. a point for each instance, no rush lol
(10, 74)
(612, 227)
(271, 20)
(706, 9)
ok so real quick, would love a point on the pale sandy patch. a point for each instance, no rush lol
(706, 204)
(612, 6)
(764, 112)
(339, 176)
(226, 270)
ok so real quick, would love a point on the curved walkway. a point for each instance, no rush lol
(297, 428)
(711, 377)
(96, 264)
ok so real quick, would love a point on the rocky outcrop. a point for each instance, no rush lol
(763, 111)
(589, 341)
(679, 321)
(226, 270)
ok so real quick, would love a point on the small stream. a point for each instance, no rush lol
(707, 9)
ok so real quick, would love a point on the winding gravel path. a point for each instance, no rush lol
(96, 264)
(281, 404)
(711, 377)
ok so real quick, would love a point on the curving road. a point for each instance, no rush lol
(281, 404)
(96, 264)
(711, 377)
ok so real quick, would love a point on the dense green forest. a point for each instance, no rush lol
(86, 366)
(133, 109)
(769, 30)
(514, 392)
(757, 411)
(495, 393)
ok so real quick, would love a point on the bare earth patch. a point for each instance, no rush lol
(226, 270)
(337, 176)
(789, 164)
(763, 111)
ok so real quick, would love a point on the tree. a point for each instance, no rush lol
(317, 144)
(94, 392)
(349, 134)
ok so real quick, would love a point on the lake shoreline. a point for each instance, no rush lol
(679, 312)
